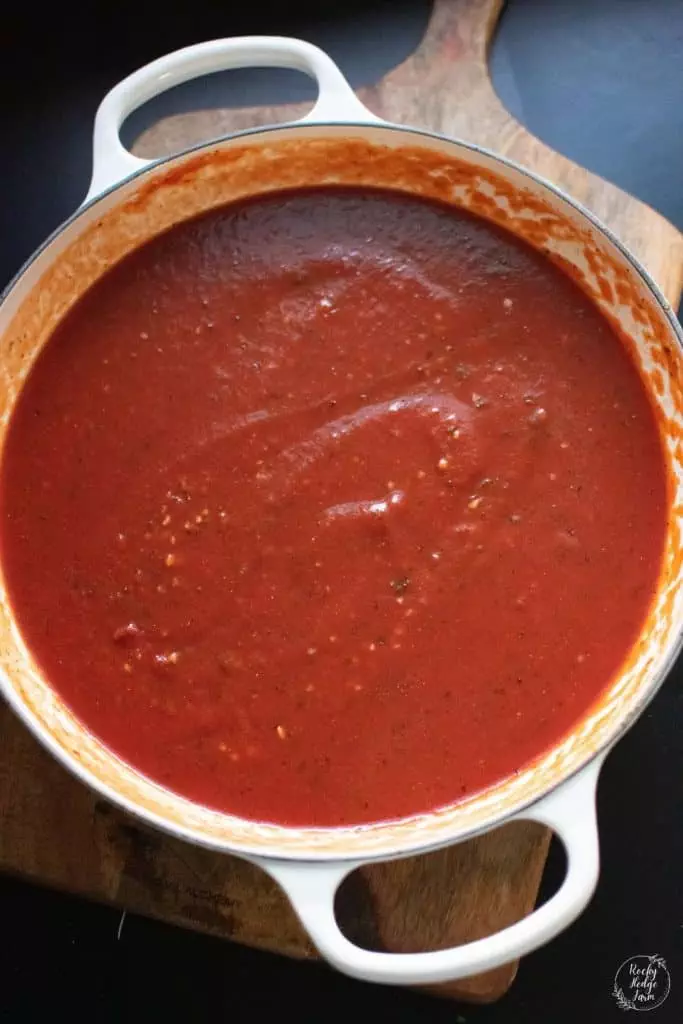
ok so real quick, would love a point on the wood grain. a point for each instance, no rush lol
(54, 831)
(445, 86)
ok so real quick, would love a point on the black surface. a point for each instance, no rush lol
(601, 81)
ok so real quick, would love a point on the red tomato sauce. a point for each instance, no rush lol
(332, 507)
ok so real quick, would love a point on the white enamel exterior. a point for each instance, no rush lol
(569, 811)
(336, 99)
(305, 864)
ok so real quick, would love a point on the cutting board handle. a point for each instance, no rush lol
(569, 811)
(112, 162)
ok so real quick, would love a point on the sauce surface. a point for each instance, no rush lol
(332, 507)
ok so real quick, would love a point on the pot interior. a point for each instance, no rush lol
(294, 157)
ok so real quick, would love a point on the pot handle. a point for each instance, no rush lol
(569, 811)
(112, 161)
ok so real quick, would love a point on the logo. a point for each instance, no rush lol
(642, 983)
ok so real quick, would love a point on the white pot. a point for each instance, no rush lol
(340, 141)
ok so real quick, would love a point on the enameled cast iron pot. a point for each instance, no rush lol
(340, 141)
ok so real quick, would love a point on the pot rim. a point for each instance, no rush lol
(385, 850)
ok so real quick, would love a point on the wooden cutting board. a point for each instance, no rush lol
(54, 831)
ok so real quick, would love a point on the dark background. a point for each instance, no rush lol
(600, 80)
